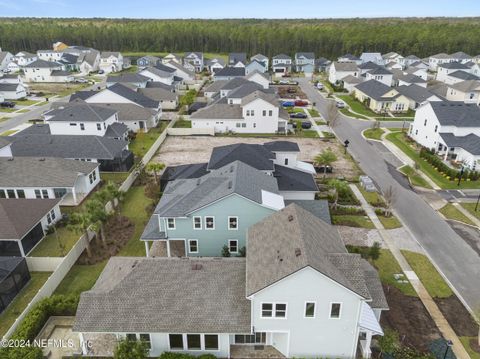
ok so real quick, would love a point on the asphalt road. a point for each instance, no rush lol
(456, 258)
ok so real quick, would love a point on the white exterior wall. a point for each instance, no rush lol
(297, 195)
(335, 76)
(259, 79)
(6, 151)
(384, 79)
(50, 55)
(423, 134)
(468, 97)
(442, 73)
(14, 95)
(169, 105)
(107, 96)
(282, 156)
(320, 336)
(83, 185)
(90, 128)
(258, 122)
(165, 80)
(58, 216)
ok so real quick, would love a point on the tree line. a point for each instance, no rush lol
(328, 38)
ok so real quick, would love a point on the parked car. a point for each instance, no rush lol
(8, 104)
(288, 104)
(81, 81)
(319, 86)
(101, 72)
(301, 103)
(283, 82)
(321, 169)
(340, 104)
(306, 125)
(298, 115)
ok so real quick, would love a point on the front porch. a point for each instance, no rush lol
(254, 351)
(166, 248)
(71, 199)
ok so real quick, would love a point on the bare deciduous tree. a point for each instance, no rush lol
(389, 195)
(332, 114)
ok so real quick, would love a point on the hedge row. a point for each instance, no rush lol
(170, 355)
(450, 173)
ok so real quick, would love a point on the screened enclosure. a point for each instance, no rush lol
(14, 275)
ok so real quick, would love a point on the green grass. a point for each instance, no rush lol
(320, 122)
(414, 177)
(26, 102)
(16, 307)
(466, 343)
(23, 110)
(143, 141)
(49, 246)
(80, 278)
(428, 275)
(374, 198)
(327, 86)
(399, 139)
(41, 103)
(391, 222)
(387, 266)
(327, 134)
(349, 113)
(295, 110)
(374, 133)
(353, 221)
(470, 207)
(8, 133)
(116, 177)
(357, 106)
(3, 109)
(183, 124)
(313, 112)
(307, 133)
(451, 212)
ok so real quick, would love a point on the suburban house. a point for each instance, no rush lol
(302, 59)
(451, 129)
(171, 57)
(339, 70)
(375, 57)
(23, 58)
(368, 66)
(46, 71)
(416, 95)
(12, 91)
(49, 55)
(237, 59)
(255, 66)
(25, 223)
(380, 97)
(393, 66)
(350, 58)
(461, 56)
(380, 74)
(409, 60)
(459, 76)
(160, 73)
(228, 73)
(131, 79)
(89, 61)
(281, 64)
(402, 79)
(417, 71)
(321, 64)
(148, 61)
(392, 57)
(40, 178)
(180, 72)
(443, 70)
(349, 82)
(260, 78)
(168, 100)
(111, 62)
(298, 293)
(464, 91)
(262, 59)
(215, 64)
(435, 60)
(194, 59)
(5, 58)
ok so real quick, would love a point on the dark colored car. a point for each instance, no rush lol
(288, 104)
(298, 115)
(306, 125)
(9, 104)
(321, 169)
(291, 90)
(301, 103)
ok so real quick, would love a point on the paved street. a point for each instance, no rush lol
(455, 257)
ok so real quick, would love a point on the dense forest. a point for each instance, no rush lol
(329, 38)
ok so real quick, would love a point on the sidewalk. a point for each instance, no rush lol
(432, 308)
(467, 214)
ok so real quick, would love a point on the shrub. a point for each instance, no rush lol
(372, 253)
(347, 210)
(225, 251)
(131, 349)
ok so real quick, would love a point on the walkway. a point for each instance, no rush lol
(427, 300)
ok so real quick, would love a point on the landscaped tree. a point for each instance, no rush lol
(225, 251)
(389, 195)
(332, 114)
(98, 217)
(339, 187)
(389, 342)
(156, 168)
(131, 349)
(325, 158)
(80, 222)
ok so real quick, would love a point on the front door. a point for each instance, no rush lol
(142, 125)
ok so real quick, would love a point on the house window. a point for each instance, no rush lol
(264, 113)
(309, 309)
(436, 128)
(38, 194)
(197, 222)
(280, 310)
(248, 112)
(286, 161)
(233, 246)
(257, 338)
(194, 342)
(90, 177)
(238, 125)
(211, 342)
(270, 113)
(244, 125)
(209, 222)
(171, 223)
(232, 223)
(20, 193)
(132, 337)
(94, 174)
(254, 125)
(44, 193)
(73, 124)
(425, 122)
(52, 214)
(82, 126)
(193, 246)
(49, 219)
(99, 127)
(335, 309)
(11, 193)
(267, 310)
(176, 341)
(2, 193)
(146, 339)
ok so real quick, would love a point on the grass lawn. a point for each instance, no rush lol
(352, 221)
(49, 246)
(357, 106)
(414, 177)
(428, 275)
(387, 266)
(295, 110)
(450, 212)
(374, 133)
(26, 102)
(183, 124)
(399, 139)
(466, 343)
(16, 307)
(391, 222)
(41, 103)
(328, 134)
(307, 133)
(8, 133)
(116, 177)
(142, 143)
(471, 208)
(374, 198)
(6, 109)
(349, 113)
(320, 122)
(80, 278)
(327, 86)
(313, 112)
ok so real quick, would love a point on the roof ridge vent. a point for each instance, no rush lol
(290, 217)
(298, 252)
(230, 184)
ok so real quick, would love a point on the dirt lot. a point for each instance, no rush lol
(291, 91)
(196, 149)
(417, 329)
(458, 317)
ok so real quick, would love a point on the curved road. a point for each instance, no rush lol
(459, 262)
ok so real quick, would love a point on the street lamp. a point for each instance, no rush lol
(345, 144)
(449, 344)
(478, 200)
(460, 175)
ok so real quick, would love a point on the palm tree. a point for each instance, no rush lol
(325, 158)
(98, 217)
(156, 168)
(80, 222)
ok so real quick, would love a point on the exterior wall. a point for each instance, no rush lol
(160, 344)
(259, 79)
(210, 242)
(83, 185)
(423, 134)
(297, 195)
(58, 216)
(38, 75)
(6, 151)
(320, 336)
(334, 76)
(442, 73)
(90, 128)
(469, 97)
(14, 95)
(254, 66)
(169, 104)
(165, 80)
(108, 96)
(384, 79)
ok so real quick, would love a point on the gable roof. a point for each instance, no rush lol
(230, 71)
(417, 93)
(290, 179)
(42, 172)
(345, 66)
(107, 54)
(133, 96)
(18, 216)
(319, 208)
(128, 77)
(373, 89)
(368, 65)
(466, 86)
(307, 55)
(121, 301)
(43, 64)
(235, 57)
(282, 146)
(8, 87)
(81, 112)
(450, 113)
(470, 142)
(464, 75)
(129, 112)
(453, 65)
(409, 78)
(218, 111)
(379, 71)
(158, 94)
(282, 57)
(254, 155)
(260, 94)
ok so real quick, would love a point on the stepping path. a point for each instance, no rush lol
(432, 308)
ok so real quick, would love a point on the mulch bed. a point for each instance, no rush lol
(410, 319)
(118, 230)
(474, 345)
(457, 316)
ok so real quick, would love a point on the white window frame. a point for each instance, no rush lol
(205, 219)
(174, 223)
(314, 309)
(228, 223)
(193, 223)
(274, 310)
(189, 243)
(233, 240)
(183, 342)
(330, 310)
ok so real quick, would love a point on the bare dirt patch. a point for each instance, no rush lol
(291, 92)
(457, 316)
(118, 231)
(417, 329)
(180, 150)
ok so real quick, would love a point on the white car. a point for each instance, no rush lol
(319, 86)
(340, 104)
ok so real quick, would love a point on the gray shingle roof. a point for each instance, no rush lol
(116, 130)
(282, 146)
(466, 86)
(42, 172)
(417, 93)
(410, 78)
(184, 196)
(290, 179)
(464, 75)
(128, 77)
(133, 96)
(43, 64)
(167, 295)
(18, 216)
(345, 66)
(158, 94)
(470, 143)
(282, 57)
(129, 112)
(369, 65)
(319, 208)
(219, 111)
(107, 54)
(292, 239)
(230, 71)
(454, 65)
(8, 87)
(157, 84)
(373, 89)
(380, 71)
(4, 141)
(254, 155)
(457, 114)
(349, 79)
(81, 112)
(216, 86)
(235, 57)
(60, 73)
(307, 55)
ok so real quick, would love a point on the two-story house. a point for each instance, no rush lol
(46, 71)
(303, 59)
(237, 59)
(337, 71)
(148, 61)
(160, 73)
(111, 61)
(380, 74)
(194, 59)
(262, 59)
(443, 70)
(281, 64)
